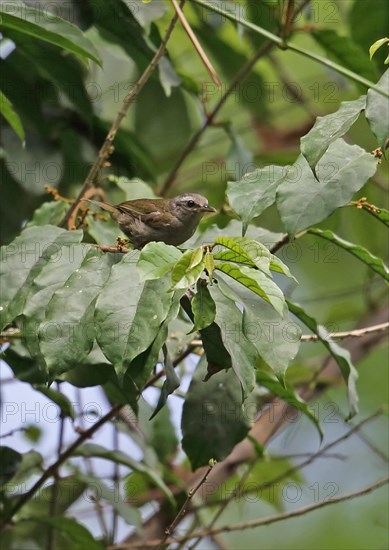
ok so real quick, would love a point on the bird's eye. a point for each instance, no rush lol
(191, 204)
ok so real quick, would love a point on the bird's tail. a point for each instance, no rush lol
(104, 205)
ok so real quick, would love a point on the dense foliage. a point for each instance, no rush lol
(222, 324)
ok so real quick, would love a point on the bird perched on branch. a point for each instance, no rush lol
(172, 221)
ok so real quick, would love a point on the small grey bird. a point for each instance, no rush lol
(172, 221)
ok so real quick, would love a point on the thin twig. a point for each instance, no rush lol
(261, 521)
(346, 334)
(311, 458)
(107, 148)
(182, 511)
(196, 44)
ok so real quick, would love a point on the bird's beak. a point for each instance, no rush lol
(207, 209)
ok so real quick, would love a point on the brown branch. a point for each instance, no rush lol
(107, 147)
(193, 38)
(357, 333)
(261, 521)
(184, 507)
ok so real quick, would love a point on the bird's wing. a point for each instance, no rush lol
(145, 212)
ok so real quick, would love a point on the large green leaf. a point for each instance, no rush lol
(246, 251)
(276, 339)
(302, 200)
(49, 213)
(156, 259)
(151, 311)
(31, 21)
(341, 355)
(51, 277)
(376, 264)
(115, 21)
(254, 192)
(377, 111)
(256, 282)
(146, 338)
(67, 333)
(116, 308)
(329, 128)
(344, 50)
(203, 307)
(13, 119)
(242, 352)
(213, 419)
(24, 259)
(66, 73)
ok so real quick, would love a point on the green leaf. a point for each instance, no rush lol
(67, 333)
(171, 383)
(377, 111)
(10, 461)
(278, 265)
(52, 276)
(59, 399)
(203, 307)
(65, 491)
(55, 30)
(92, 450)
(151, 311)
(163, 438)
(146, 340)
(344, 50)
(68, 533)
(302, 200)
(188, 268)
(31, 463)
(115, 22)
(341, 356)
(241, 350)
(23, 260)
(257, 282)
(377, 44)
(213, 419)
(365, 34)
(329, 128)
(276, 339)
(380, 214)
(376, 264)
(116, 308)
(156, 259)
(64, 71)
(13, 119)
(247, 251)
(49, 213)
(288, 394)
(254, 192)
